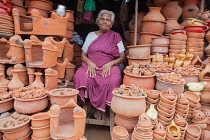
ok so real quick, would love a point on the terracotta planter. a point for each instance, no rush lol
(140, 81)
(154, 14)
(30, 106)
(153, 26)
(40, 120)
(162, 49)
(172, 10)
(41, 132)
(137, 60)
(162, 85)
(131, 24)
(42, 12)
(42, 4)
(160, 41)
(190, 10)
(170, 24)
(146, 38)
(56, 98)
(139, 51)
(27, 137)
(6, 105)
(194, 28)
(21, 8)
(129, 110)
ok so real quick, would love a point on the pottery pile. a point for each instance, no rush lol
(160, 67)
(193, 132)
(207, 37)
(182, 123)
(6, 25)
(205, 16)
(119, 132)
(40, 125)
(207, 113)
(199, 119)
(159, 133)
(143, 129)
(166, 106)
(152, 97)
(173, 131)
(16, 126)
(182, 105)
(160, 45)
(6, 7)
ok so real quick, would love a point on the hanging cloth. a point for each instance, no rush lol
(89, 5)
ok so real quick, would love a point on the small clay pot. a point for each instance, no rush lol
(120, 132)
(40, 120)
(41, 132)
(195, 35)
(164, 113)
(127, 123)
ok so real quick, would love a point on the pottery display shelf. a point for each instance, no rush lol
(38, 25)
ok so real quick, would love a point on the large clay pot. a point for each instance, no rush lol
(170, 24)
(153, 26)
(131, 24)
(172, 10)
(190, 10)
(131, 109)
(139, 51)
(15, 83)
(160, 3)
(205, 96)
(146, 38)
(154, 14)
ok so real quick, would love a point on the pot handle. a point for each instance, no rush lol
(207, 28)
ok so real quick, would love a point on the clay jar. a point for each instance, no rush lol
(153, 26)
(170, 24)
(15, 83)
(205, 97)
(172, 10)
(37, 82)
(154, 14)
(146, 37)
(190, 10)
(132, 22)
(3, 81)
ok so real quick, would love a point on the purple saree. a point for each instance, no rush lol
(99, 89)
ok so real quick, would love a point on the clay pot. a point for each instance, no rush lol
(178, 35)
(153, 94)
(120, 132)
(195, 49)
(3, 81)
(177, 42)
(30, 106)
(194, 28)
(51, 78)
(177, 47)
(170, 24)
(131, 40)
(164, 113)
(205, 97)
(131, 24)
(49, 138)
(139, 80)
(159, 130)
(42, 12)
(41, 132)
(173, 129)
(195, 35)
(131, 110)
(160, 3)
(23, 76)
(179, 120)
(162, 49)
(27, 137)
(6, 105)
(40, 120)
(42, 4)
(137, 60)
(146, 38)
(190, 78)
(172, 10)
(205, 135)
(154, 14)
(165, 119)
(153, 26)
(21, 8)
(190, 10)
(194, 131)
(15, 83)
(37, 82)
(18, 2)
(139, 51)
(160, 41)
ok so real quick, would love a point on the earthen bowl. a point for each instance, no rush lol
(120, 132)
(154, 95)
(194, 131)
(165, 100)
(192, 97)
(170, 137)
(183, 101)
(166, 110)
(165, 119)
(178, 105)
(177, 42)
(164, 113)
(184, 111)
(166, 105)
(153, 101)
(40, 120)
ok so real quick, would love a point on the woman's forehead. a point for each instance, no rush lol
(106, 15)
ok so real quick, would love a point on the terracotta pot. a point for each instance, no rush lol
(30, 106)
(146, 38)
(194, 28)
(162, 85)
(200, 54)
(139, 51)
(192, 97)
(177, 42)
(17, 2)
(178, 35)
(176, 51)
(192, 44)
(42, 4)
(177, 47)
(207, 36)
(160, 3)
(205, 135)
(41, 132)
(131, 110)
(127, 123)
(42, 12)
(140, 80)
(56, 98)
(51, 79)
(27, 137)
(190, 10)
(205, 97)
(170, 24)
(172, 10)
(154, 14)
(160, 41)
(195, 35)
(15, 83)
(195, 49)
(21, 8)
(48, 138)
(131, 40)
(6, 105)
(40, 120)
(131, 24)
(164, 113)
(37, 82)
(162, 49)
(191, 78)
(3, 81)
(194, 130)
(137, 60)
(153, 26)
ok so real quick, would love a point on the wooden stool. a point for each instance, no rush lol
(110, 123)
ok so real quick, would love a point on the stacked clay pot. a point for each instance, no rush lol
(193, 132)
(166, 106)
(173, 131)
(152, 98)
(182, 123)
(207, 113)
(160, 45)
(199, 119)
(40, 125)
(159, 133)
(143, 129)
(182, 105)
(193, 102)
(119, 132)
(6, 101)
(177, 41)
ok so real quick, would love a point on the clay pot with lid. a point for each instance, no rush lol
(154, 14)
(153, 26)
(146, 37)
(172, 10)
(170, 24)
(139, 51)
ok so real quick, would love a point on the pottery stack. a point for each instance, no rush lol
(193, 132)
(166, 106)
(173, 131)
(153, 97)
(199, 119)
(143, 129)
(119, 132)
(160, 45)
(207, 113)
(182, 105)
(159, 133)
(40, 125)
(182, 123)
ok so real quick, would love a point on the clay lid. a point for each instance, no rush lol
(179, 120)
(159, 130)
(169, 94)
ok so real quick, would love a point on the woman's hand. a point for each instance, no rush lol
(106, 69)
(92, 69)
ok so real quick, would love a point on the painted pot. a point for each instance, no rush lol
(139, 51)
(153, 26)
(172, 10)
(154, 14)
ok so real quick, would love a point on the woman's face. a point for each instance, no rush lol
(105, 22)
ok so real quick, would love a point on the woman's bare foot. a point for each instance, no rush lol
(98, 114)
(105, 117)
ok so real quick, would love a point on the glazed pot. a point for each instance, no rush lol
(6, 105)
(131, 24)
(139, 51)
(154, 14)
(190, 10)
(160, 41)
(146, 38)
(162, 49)
(178, 35)
(195, 35)
(196, 28)
(172, 10)
(153, 26)
(139, 81)
(41, 132)
(170, 24)
(40, 120)
(127, 123)
(30, 106)
(42, 4)
(131, 109)
(205, 96)
(42, 12)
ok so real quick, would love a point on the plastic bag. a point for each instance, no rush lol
(89, 5)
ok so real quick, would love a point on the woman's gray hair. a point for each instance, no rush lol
(106, 12)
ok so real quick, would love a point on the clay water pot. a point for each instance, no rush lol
(160, 41)
(40, 120)
(127, 123)
(42, 4)
(146, 37)
(139, 51)
(177, 42)
(15, 83)
(172, 10)
(194, 131)
(6, 105)
(153, 26)
(154, 14)
(178, 35)
(120, 132)
(170, 24)
(37, 82)
(41, 132)
(190, 10)
(196, 28)
(131, 24)
(195, 35)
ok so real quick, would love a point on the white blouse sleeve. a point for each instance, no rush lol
(121, 47)
(89, 39)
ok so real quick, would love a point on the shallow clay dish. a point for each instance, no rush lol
(194, 131)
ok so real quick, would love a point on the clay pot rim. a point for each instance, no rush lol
(135, 118)
(38, 128)
(44, 1)
(20, 6)
(153, 21)
(161, 45)
(7, 100)
(172, 18)
(21, 138)
(194, 126)
(138, 58)
(151, 34)
(17, 129)
(41, 138)
(139, 76)
(129, 97)
(170, 83)
(26, 100)
(152, 7)
(33, 117)
(38, 8)
(145, 45)
(51, 92)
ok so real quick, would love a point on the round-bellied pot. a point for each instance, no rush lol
(6, 105)
(190, 10)
(137, 60)
(178, 35)
(140, 81)
(40, 120)
(146, 37)
(30, 106)
(42, 4)
(131, 109)
(41, 132)
(172, 10)
(170, 24)
(153, 26)
(139, 51)
(154, 14)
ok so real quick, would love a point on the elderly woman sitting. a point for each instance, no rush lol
(100, 73)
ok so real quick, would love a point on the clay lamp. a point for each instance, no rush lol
(179, 120)
(173, 129)
(199, 117)
(182, 99)
(144, 121)
(160, 130)
(154, 94)
(169, 94)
